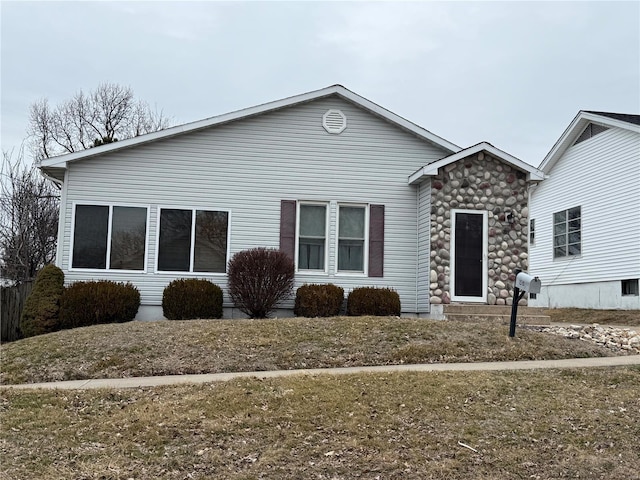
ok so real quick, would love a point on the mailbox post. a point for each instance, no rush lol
(524, 283)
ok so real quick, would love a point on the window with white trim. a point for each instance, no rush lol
(532, 232)
(358, 244)
(352, 238)
(193, 240)
(312, 236)
(109, 237)
(567, 233)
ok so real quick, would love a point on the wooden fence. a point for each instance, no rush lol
(11, 303)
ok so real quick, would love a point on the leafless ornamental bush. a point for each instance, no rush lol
(259, 279)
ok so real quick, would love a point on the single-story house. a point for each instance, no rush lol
(355, 194)
(585, 217)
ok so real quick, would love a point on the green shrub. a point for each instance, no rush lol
(104, 301)
(373, 301)
(41, 312)
(259, 279)
(318, 300)
(190, 298)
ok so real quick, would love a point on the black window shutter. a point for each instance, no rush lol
(288, 227)
(376, 241)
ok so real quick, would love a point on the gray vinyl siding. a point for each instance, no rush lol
(602, 176)
(424, 242)
(247, 167)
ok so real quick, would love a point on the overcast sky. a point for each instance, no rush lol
(510, 73)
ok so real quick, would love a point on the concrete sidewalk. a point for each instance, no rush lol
(434, 367)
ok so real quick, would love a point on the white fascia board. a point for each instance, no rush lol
(417, 176)
(397, 119)
(609, 122)
(575, 128)
(533, 174)
(61, 161)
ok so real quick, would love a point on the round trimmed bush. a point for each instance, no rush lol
(373, 301)
(41, 312)
(191, 298)
(318, 300)
(259, 279)
(91, 303)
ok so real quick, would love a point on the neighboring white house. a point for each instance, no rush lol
(585, 216)
(355, 194)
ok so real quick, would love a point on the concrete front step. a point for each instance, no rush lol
(500, 313)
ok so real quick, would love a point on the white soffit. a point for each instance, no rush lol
(575, 128)
(432, 168)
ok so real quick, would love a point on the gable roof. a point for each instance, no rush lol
(624, 117)
(577, 126)
(533, 174)
(50, 165)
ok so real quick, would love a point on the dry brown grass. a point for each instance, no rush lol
(603, 317)
(212, 346)
(523, 425)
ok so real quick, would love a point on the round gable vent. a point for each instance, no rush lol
(334, 121)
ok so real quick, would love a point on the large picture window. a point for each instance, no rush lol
(193, 240)
(567, 233)
(312, 237)
(109, 237)
(351, 238)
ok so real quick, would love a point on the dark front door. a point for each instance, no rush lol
(468, 256)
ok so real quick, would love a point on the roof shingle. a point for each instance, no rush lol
(624, 117)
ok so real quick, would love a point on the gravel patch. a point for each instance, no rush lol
(614, 338)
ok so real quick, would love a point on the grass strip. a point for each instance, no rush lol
(576, 423)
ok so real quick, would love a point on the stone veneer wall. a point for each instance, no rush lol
(480, 182)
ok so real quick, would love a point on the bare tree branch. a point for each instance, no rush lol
(107, 114)
(28, 219)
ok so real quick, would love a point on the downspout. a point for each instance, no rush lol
(61, 220)
(417, 249)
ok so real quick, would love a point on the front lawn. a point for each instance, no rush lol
(550, 424)
(212, 346)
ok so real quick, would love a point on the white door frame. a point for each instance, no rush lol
(485, 244)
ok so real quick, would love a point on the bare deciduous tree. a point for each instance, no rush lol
(28, 219)
(107, 114)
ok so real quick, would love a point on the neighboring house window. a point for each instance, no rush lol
(591, 131)
(532, 232)
(312, 236)
(630, 287)
(193, 240)
(108, 237)
(567, 236)
(351, 238)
